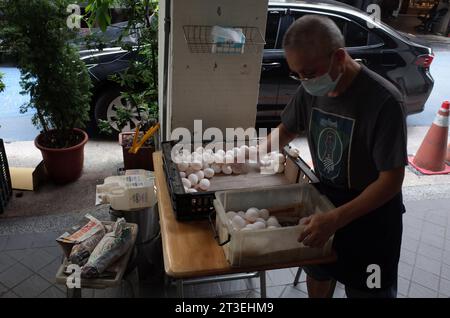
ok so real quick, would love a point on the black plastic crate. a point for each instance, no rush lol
(199, 205)
(5, 179)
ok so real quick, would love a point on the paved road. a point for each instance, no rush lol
(14, 126)
(18, 127)
(440, 70)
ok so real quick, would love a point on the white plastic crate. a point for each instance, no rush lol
(270, 246)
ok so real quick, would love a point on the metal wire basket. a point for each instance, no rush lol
(200, 40)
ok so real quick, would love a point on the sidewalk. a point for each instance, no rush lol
(28, 264)
(29, 255)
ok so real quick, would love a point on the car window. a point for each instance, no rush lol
(354, 34)
(273, 23)
(374, 39)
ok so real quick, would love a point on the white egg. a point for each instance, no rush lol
(260, 220)
(265, 162)
(197, 157)
(189, 171)
(259, 225)
(264, 214)
(229, 158)
(253, 209)
(200, 174)
(209, 151)
(229, 153)
(208, 158)
(218, 158)
(209, 173)
(280, 158)
(183, 166)
(249, 227)
(245, 149)
(241, 156)
(200, 150)
(277, 166)
(241, 214)
(192, 191)
(253, 153)
(272, 221)
(204, 184)
(220, 152)
(196, 165)
(251, 215)
(186, 183)
(231, 214)
(238, 222)
(216, 167)
(187, 158)
(226, 169)
(183, 174)
(193, 179)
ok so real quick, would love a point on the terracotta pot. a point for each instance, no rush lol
(142, 160)
(63, 165)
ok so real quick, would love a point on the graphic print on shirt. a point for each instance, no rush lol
(331, 138)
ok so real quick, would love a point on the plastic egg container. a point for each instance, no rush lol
(252, 219)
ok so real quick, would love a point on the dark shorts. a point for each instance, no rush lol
(374, 239)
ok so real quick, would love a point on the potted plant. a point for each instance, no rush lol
(54, 77)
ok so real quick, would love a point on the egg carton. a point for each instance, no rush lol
(274, 244)
(200, 205)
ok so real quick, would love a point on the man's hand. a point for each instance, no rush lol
(319, 228)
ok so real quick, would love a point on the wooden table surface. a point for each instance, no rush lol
(190, 249)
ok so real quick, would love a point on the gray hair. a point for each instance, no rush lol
(319, 34)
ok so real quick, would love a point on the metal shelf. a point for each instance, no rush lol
(199, 40)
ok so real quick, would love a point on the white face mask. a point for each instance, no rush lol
(321, 85)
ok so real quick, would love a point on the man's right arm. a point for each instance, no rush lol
(282, 134)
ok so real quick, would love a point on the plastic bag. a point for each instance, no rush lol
(227, 40)
(112, 246)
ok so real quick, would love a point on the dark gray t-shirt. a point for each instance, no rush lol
(354, 136)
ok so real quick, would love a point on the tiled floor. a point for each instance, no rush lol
(28, 263)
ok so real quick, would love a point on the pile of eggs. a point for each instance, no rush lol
(198, 168)
(252, 219)
(273, 162)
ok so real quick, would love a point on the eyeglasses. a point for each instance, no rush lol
(297, 78)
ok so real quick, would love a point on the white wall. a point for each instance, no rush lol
(222, 90)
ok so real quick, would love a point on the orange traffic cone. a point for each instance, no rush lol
(447, 160)
(431, 156)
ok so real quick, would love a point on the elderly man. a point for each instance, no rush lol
(355, 124)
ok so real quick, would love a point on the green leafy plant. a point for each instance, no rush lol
(139, 83)
(2, 86)
(53, 75)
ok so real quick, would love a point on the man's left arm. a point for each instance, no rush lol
(320, 227)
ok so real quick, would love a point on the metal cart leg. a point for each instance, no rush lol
(262, 278)
(297, 276)
(180, 292)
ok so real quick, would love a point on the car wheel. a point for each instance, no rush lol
(106, 109)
